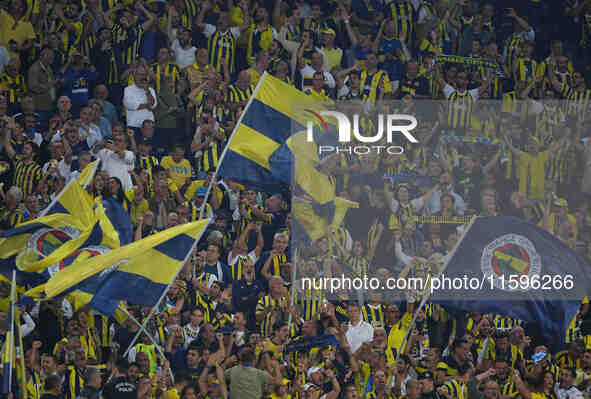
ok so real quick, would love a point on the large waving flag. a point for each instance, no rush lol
(518, 270)
(275, 111)
(70, 222)
(269, 150)
(139, 273)
(88, 174)
(312, 221)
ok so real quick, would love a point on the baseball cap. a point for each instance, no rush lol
(201, 192)
(313, 370)
(426, 375)
(329, 31)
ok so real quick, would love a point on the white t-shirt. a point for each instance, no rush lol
(308, 71)
(232, 260)
(116, 166)
(538, 107)
(93, 134)
(357, 335)
(133, 97)
(183, 58)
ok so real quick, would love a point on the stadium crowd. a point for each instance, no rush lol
(154, 89)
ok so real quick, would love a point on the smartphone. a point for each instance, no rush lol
(538, 357)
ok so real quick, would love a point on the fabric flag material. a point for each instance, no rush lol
(274, 112)
(119, 218)
(306, 343)
(518, 270)
(316, 221)
(88, 174)
(269, 150)
(69, 223)
(138, 273)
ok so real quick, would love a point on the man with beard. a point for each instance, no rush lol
(503, 349)
(260, 35)
(120, 387)
(74, 378)
(69, 26)
(222, 38)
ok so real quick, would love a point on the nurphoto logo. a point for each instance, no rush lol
(389, 123)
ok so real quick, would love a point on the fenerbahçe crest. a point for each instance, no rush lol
(43, 242)
(81, 255)
(509, 255)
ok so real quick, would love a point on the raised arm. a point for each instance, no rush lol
(427, 196)
(350, 33)
(525, 93)
(520, 21)
(376, 43)
(493, 161)
(10, 127)
(150, 18)
(514, 150)
(59, 11)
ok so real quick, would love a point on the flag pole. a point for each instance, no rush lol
(149, 336)
(426, 297)
(292, 287)
(217, 169)
(12, 341)
(189, 254)
(20, 355)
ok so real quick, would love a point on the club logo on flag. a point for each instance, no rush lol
(79, 255)
(509, 255)
(43, 242)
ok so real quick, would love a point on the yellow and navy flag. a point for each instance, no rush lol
(88, 174)
(139, 273)
(269, 151)
(70, 222)
(274, 112)
(511, 257)
(316, 221)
